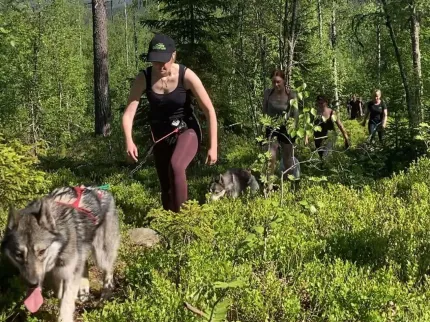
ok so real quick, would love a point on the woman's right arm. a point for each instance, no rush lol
(137, 88)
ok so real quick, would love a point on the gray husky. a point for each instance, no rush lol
(55, 235)
(232, 183)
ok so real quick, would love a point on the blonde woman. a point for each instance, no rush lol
(377, 113)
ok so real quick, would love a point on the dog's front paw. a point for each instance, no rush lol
(84, 290)
(108, 288)
(106, 294)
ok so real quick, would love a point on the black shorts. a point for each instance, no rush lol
(281, 135)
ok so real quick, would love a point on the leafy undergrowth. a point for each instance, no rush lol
(348, 245)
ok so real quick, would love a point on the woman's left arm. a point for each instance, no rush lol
(193, 82)
(384, 117)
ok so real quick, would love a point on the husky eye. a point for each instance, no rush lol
(41, 252)
(19, 255)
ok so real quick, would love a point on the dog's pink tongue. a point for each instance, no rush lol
(34, 299)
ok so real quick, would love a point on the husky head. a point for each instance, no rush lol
(32, 242)
(217, 188)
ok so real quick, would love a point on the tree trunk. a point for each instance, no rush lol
(33, 93)
(136, 53)
(292, 42)
(411, 114)
(378, 45)
(101, 70)
(126, 32)
(283, 36)
(320, 22)
(416, 59)
(334, 59)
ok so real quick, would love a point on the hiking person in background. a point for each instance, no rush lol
(356, 107)
(326, 118)
(174, 128)
(377, 113)
(276, 104)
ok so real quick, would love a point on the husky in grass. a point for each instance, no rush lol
(232, 183)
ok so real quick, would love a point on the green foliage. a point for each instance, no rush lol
(19, 180)
(424, 135)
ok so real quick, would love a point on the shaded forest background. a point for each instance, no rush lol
(335, 47)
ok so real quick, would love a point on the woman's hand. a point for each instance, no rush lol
(131, 150)
(212, 156)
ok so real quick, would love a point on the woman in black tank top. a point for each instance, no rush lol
(326, 121)
(174, 127)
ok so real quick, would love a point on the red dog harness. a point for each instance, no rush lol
(79, 190)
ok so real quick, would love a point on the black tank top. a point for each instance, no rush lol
(170, 106)
(164, 108)
(326, 126)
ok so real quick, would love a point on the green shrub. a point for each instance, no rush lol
(20, 180)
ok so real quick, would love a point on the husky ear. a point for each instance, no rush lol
(12, 219)
(221, 179)
(44, 215)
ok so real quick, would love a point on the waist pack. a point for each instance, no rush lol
(169, 131)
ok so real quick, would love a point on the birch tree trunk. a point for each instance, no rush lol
(416, 59)
(334, 59)
(292, 42)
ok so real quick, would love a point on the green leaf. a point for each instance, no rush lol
(301, 133)
(219, 313)
(312, 209)
(313, 111)
(293, 133)
(259, 229)
(304, 203)
(233, 284)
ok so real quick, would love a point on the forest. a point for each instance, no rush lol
(345, 242)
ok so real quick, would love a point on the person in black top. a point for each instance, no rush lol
(175, 130)
(377, 113)
(356, 107)
(326, 118)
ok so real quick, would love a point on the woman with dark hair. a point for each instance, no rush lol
(276, 104)
(175, 130)
(326, 118)
(356, 107)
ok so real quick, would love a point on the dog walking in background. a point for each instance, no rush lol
(55, 235)
(232, 183)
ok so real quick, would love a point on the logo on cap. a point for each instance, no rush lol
(159, 46)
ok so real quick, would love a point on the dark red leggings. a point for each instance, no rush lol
(171, 162)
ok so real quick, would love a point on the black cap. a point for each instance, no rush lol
(161, 48)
